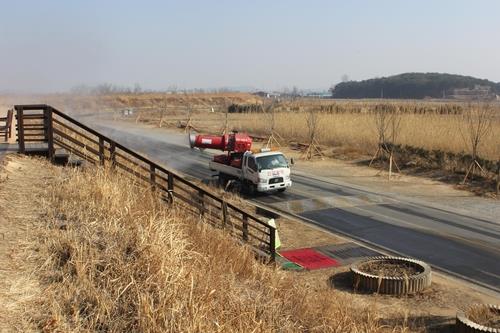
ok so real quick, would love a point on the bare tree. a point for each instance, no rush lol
(498, 177)
(395, 127)
(172, 89)
(382, 122)
(189, 113)
(313, 149)
(274, 137)
(295, 93)
(137, 88)
(225, 106)
(139, 115)
(387, 119)
(163, 111)
(476, 125)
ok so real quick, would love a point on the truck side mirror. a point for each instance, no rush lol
(292, 162)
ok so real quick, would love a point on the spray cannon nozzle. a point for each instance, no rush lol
(192, 139)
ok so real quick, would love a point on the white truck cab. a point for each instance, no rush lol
(257, 171)
(268, 171)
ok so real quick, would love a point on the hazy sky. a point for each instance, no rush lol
(54, 45)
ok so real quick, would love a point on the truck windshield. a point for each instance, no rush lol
(272, 162)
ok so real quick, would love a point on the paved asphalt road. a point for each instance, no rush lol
(464, 246)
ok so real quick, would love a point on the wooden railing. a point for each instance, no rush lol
(59, 131)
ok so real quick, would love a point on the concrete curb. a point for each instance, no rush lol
(465, 325)
(391, 285)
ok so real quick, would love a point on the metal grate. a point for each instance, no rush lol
(347, 253)
(276, 180)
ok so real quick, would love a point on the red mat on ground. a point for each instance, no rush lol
(309, 259)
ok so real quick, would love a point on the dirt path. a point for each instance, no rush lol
(21, 179)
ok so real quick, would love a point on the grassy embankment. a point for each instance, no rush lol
(110, 256)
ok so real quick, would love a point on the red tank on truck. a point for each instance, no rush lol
(250, 170)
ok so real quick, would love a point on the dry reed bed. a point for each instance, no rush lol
(350, 124)
(431, 125)
(358, 131)
(114, 258)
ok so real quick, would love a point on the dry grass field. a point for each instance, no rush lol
(110, 256)
(358, 131)
(431, 125)
(90, 250)
(426, 125)
(350, 124)
(431, 138)
(427, 130)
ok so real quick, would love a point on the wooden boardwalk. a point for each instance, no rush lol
(45, 131)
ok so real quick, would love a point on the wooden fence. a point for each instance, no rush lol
(42, 128)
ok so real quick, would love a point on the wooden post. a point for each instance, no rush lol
(9, 122)
(170, 188)
(375, 156)
(50, 131)
(152, 176)
(467, 173)
(245, 227)
(224, 214)
(20, 129)
(46, 123)
(201, 202)
(112, 150)
(170, 180)
(101, 151)
(498, 177)
(390, 166)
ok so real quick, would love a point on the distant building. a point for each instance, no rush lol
(319, 94)
(128, 112)
(477, 93)
(265, 94)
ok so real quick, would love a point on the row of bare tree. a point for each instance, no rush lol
(476, 125)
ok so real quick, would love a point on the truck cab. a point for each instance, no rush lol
(266, 171)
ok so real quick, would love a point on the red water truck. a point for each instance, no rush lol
(262, 170)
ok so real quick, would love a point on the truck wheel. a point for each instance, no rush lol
(250, 188)
(222, 180)
(237, 187)
(253, 190)
(281, 190)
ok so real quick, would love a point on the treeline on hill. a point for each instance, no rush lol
(410, 86)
